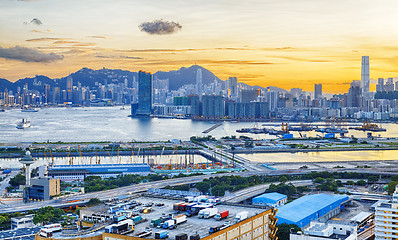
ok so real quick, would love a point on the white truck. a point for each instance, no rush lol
(241, 216)
(189, 199)
(210, 212)
(201, 198)
(180, 219)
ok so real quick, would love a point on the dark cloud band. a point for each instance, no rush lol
(28, 55)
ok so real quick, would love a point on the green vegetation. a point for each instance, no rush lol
(5, 220)
(288, 189)
(326, 181)
(16, 181)
(47, 215)
(202, 139)
(93, 202)
(283, 232)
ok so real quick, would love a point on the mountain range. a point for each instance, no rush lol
(91, 78)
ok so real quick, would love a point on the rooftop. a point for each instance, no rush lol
(273, 196)
(21, 233)
(308, 205)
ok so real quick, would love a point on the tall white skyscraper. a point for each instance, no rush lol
(199, 84)
(365, 76)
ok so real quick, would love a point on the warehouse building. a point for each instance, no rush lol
(270, 199)
(310, 208)
(80, 172)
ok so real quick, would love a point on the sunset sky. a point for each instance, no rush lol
(284, 43)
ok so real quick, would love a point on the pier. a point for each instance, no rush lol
(212, 128)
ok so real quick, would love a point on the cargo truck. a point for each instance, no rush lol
(219, 228)
(161, 235)
(195, 209)
(188, 199)
(210, 212)
(176, 206)
(180, 219)
(194, 237)
(221, 215)
(241, 216)
(182, 207)
(155, 222)
(137, 219)
(181, 236)
(172, 223)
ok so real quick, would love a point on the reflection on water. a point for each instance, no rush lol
(335, 156)
(165, 159)
(111, 124)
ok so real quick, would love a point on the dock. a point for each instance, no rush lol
(212, 128)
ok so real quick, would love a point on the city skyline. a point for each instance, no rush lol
(305, 43)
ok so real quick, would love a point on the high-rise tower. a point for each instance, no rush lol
(365, 75)
(199, 84)
(318, 91)
(145, 99)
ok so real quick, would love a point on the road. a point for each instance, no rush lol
(246, 193)
(4, 184)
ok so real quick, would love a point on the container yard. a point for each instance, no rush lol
(157, 218)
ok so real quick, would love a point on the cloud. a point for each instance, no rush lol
(160, 27)
(36, 21)
(65, 42)
(117, 57)
(39, 31)
(46, 39)
(100, 37)
(28, 55)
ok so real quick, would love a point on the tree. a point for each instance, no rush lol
(319, 180)
(373, 179)
(391, 187)
(283, 179)
(284, 229)
(203, 186)
(94, 201)
(350, 182)
(361, 183)
(18, 180)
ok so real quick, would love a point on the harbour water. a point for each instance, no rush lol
(112, 124)
(333, 156)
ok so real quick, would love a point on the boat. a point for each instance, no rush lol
(29, 110)
(368, 126)
(2, 110)
(23, 124)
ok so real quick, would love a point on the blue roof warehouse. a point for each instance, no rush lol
(311, 207)
(273, 199)
(79, 172)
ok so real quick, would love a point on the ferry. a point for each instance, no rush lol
(23, 124)
(29, 110)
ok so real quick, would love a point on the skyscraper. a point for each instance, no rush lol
(232, 86)
(365, 76)
(380, 85)
(318, 91)
(199, 84)
(145, 82)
